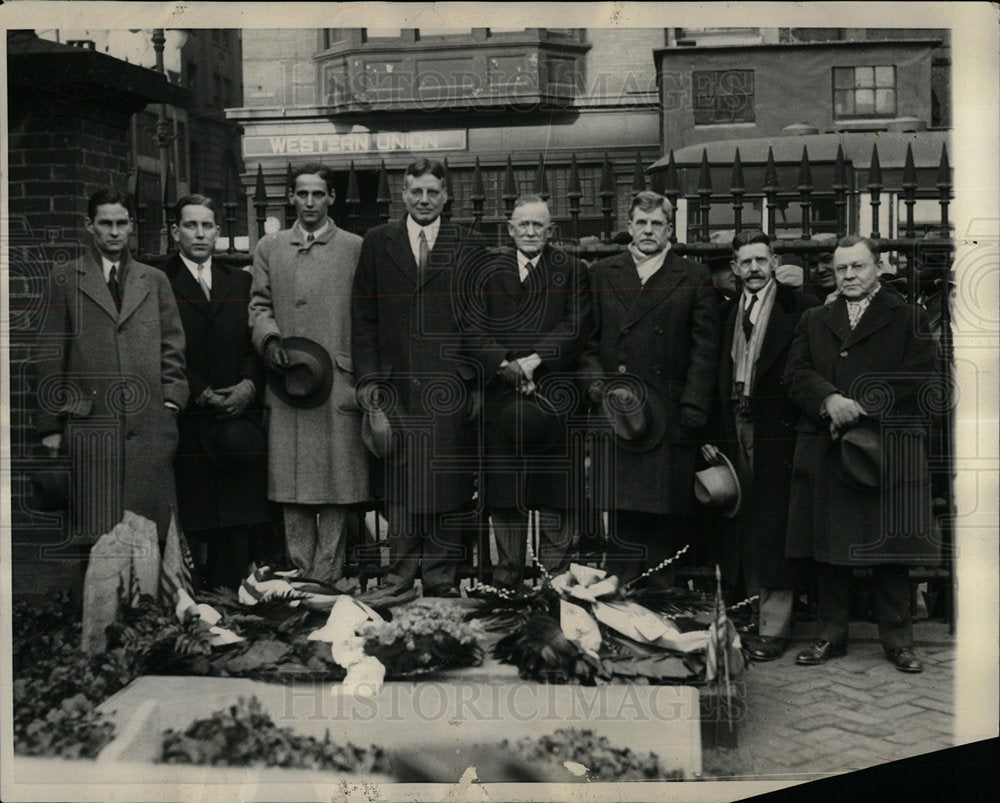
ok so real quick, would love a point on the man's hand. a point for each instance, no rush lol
(710, 454)
(274, 355)
(788, 275)
(209, 398)
(692, 417)
(842, 412)
(475, 403)
(235, 399)
(53, 443)
(512, 373)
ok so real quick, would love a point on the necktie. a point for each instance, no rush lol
(115, 287)
(204, 284)
(747, 323)
(310, 237)
(425, 251)
(528, 267)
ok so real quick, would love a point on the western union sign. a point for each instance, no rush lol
(354, 142)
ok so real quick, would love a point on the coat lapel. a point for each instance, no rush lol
(508, 280)
(186, 288)
(92, 283)
(625, 282)
(657, 288)
(135, 290)
(442, 255)
(835, 317)
(878, 314)
(779, 332)
(222, 284)
(398, 250)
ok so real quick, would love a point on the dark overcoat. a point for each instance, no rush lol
(886, 364)
(103, 377)
(761, 524)
(549, 315)
(407, 338)
(218, 354)
(666, 333)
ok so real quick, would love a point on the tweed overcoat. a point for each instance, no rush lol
(887, 364)
(218, 354)
(666, 333)
(103, 377)
(762, 522)
(408, 339)
(303, 289)
(549, 315)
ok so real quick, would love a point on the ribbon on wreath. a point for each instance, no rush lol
(596, 588)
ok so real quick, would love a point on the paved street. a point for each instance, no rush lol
(805, 723)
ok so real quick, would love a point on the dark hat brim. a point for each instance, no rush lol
(381, 438)
(734, 508)
(297, 348)
(655, 409)
(233, 445)
(857, 458)
(527, 421)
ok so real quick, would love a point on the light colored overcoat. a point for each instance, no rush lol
(300, 289)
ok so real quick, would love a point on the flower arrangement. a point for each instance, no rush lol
(426, 636)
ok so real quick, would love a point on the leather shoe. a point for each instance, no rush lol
(765, 648)
(904, 660)
(819, 652)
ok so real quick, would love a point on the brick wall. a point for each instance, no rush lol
(57, 159)
(619, 65)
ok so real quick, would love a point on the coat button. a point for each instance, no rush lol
(622, 369)
(656, 370)
(415, 336)
(300, 302)
(416, 381)
(843, 354)
(658, 330)
(130, 434)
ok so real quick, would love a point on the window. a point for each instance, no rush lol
(227, 91)
(182, 151)
(216, 90)
(722, 97)
(864, 92)
(192, 76)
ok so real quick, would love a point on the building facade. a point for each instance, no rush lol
(372, 96)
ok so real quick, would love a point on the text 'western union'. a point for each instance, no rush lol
(358, 143)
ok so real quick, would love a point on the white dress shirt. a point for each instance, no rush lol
(413, 230)
(193, 268)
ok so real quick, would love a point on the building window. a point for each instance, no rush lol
(216, 90)
(722, 97)
(227, 91)
(192, 76)
(864, 92)
(182, 151)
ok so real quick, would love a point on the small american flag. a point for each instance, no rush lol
(177, 566)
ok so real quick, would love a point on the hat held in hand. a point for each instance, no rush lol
(233, 445)
(858, 462)
(635, 412)
(718, 486)
(527, 421)
(308, 377)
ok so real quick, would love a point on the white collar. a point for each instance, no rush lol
(106, 265)
(315, 234)
(431, 230)
(192, 265)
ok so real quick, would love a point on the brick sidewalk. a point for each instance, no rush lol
(804, 723)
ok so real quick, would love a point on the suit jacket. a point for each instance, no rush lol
(218, 354)
(549, 315)
(407, 338)
(666, 334)
(762, 521)
(103, 377)
(887, 364)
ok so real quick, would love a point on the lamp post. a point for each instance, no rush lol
(164, 138)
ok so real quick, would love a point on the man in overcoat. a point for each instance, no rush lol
(111, 377)
(655, 345)
(317, 465)
(758, 426)
(529, 325)
(861, 370)
(221, 461)
(409, 361)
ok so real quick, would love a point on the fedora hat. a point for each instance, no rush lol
(528, 421)
(377, 435)
(858, 459)
(719, 486)
(637, 427)
(307, 379)
(233, 445)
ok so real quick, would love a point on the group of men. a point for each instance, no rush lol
(408, 363)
